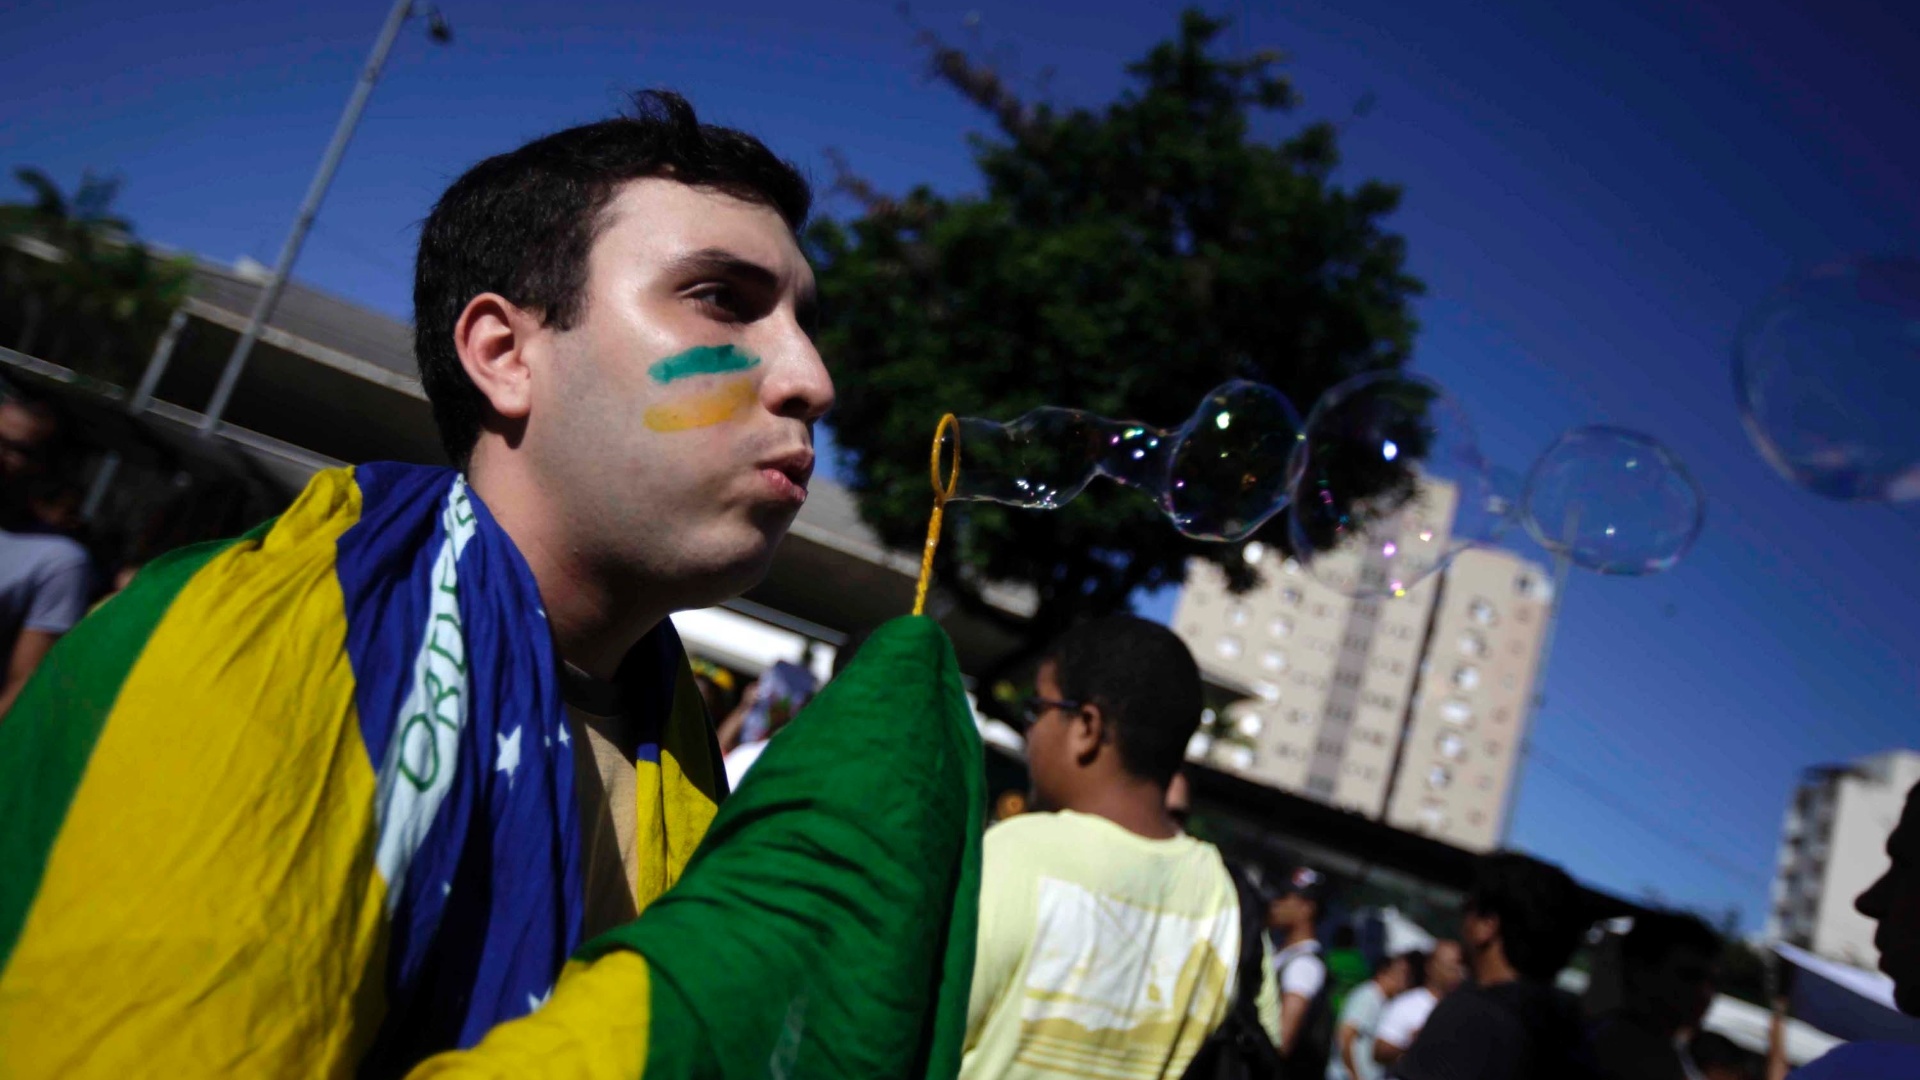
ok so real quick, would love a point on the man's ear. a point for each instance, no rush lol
(491, 337)
(1089, 728)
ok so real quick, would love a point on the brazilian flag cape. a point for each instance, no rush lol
(302, 804)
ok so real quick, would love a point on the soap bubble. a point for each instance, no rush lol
(1827, 373)
(1613, 500)
(1503, 500)
(1039, 461)
(1220, 476)
(1391, 485)
(1230, 469)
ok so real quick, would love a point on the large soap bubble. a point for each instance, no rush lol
(1391, 485)
(1614, 501)
(1827, 373)
(1229, 472)
(1219, 476)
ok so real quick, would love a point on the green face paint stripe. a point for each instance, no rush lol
(46, 740)
(704, 360)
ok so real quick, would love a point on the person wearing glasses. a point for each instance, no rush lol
(1109, 940)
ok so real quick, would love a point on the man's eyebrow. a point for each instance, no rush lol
(719, 262)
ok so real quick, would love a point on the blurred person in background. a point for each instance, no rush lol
(1667, 965)
(1894, 903)
(203, 510)
(1523, 920)
(1306, 1015)
(1347, 966)
(1110, 942)
(1441, 973)
(46, 577)
(767, 706)
(1180, 799)
(1359, 1017)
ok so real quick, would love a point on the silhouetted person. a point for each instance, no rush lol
(1894, 903)
(1522, 923)
(1667, 967)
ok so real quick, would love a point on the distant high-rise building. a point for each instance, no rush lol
(1338, 708)
(1832, 846)
(1469, 717)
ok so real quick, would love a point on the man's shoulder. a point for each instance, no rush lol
(43, 553)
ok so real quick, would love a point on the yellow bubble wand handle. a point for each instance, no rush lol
(943, 490)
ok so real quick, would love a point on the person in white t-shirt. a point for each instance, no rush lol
(1405, 1015)
(1109, 940)
(1352, 1057)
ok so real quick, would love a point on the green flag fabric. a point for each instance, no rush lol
(825, 926)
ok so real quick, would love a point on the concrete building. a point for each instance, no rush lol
(1832, 846)
(1468, 720)
(1337, 706)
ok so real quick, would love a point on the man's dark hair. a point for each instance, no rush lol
(1659, 934)
(1343, 936)
(522, 224)
(1145, 682)
(1542, 912)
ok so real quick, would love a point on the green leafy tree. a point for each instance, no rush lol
(85, 292)
(1122, 260)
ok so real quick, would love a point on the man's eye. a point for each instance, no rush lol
(720, 299)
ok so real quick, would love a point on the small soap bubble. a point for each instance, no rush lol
(1613, 501)
(1827, 375)
(1229, 472)
(1391, 485)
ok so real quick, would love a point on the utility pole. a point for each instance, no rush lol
(438, 31)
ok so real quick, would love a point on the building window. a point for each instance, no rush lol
(1290, 568)
(1280, 626)
(1452, 746)
(1473, 643)
(1237, 615)
(1433, 817)
(1507, 681)
(1229, 647)
(1439, 778)
(1274, 660)
(1269, 692)
(1502, 714)
(1483, 782)
(1249, 724)
(1319, 611)
(1523, 616)
(1527, 585)
(1296, 716)
(1239, 757)
(1493, 747)
(1466, 676)
(1481, 612)
(1290, 596)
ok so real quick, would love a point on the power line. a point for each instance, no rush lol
(1634, 815)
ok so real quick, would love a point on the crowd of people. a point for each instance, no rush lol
(419, 778)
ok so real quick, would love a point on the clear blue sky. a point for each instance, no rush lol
(1595, 194)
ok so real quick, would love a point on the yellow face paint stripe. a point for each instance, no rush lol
(718, 405)
(212, 901)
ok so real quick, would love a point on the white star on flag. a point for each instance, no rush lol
(508, 760)
(534, 1001)
(564, 741)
